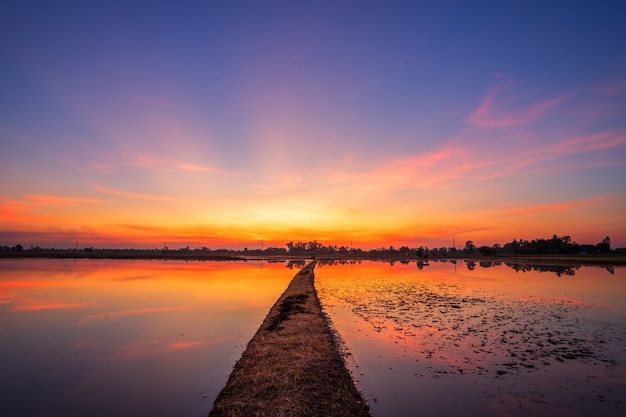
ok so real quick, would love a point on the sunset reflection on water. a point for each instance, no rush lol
(450, 339)
(112, 337)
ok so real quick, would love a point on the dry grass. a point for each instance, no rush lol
(291, 366)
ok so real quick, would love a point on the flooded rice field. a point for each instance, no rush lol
(444, 339)
(114, 337)
(126, 338)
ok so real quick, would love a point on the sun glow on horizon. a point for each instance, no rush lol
(282, 131)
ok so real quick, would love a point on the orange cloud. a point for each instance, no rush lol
(28, 210)
(53, 200)
(15, 211)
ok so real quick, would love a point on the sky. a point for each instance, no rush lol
(252, 124)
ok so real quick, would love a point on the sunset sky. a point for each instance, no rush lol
(235, 124)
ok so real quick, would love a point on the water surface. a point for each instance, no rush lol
(481, 339)
(126, 338)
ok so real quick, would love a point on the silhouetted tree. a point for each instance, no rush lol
(604, 246)
(484, 250)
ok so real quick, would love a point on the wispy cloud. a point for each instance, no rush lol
(572, 146)
(54, 200)
(129, 194)
(191, 168)
(590, 143)
(517, 161)
(18, 211)
(438, 169)
(612, 88)
(154, 162)
(554, 207)
(24, 210)
(452, 166)
(499, 110)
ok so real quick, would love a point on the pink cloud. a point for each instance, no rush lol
(552, 207)
(190, 167)
(614, 88)
(424, 170)
(492, 113)
(451, 166)
(490, 166)
(573, 146)
(155, 162)
(600, 141)
(122, 193)
(441, 168)
(486, 166)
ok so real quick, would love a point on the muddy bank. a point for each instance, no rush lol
(292, 366)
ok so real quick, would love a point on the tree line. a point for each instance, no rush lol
(556, 245)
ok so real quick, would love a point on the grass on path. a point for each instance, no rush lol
(292, 366)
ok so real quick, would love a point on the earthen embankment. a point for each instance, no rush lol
(292, 366)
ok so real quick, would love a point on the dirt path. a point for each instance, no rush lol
(292, 366)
